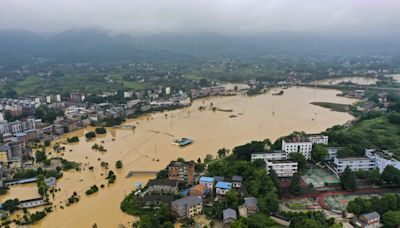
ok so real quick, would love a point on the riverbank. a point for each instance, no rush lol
(148, 147)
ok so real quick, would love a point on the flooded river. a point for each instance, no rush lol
(355, 80)
(149, 148)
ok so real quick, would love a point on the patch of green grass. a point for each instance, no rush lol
(296, 206)
(30, 84)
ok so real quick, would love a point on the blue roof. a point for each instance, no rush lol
(225, 185)
(206, 179)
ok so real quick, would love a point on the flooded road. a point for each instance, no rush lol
(149, 148)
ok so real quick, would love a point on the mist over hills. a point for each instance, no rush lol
(96, 46)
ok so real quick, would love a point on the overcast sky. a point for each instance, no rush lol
(220, 16)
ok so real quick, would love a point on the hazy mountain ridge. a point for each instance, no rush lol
(97, 46)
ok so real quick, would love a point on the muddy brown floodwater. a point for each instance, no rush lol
(149, 148)
(355, 80)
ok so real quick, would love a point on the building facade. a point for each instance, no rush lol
(285, 168)
(182, 172)
(354, 163)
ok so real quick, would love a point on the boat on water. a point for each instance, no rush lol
(182, 142)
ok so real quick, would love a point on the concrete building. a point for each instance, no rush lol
(221, 188)
(237, 181)
(187, 207)
(303, 144)
(163, 186)
(229, 216)
(318, 139)
(207, 181)
(251, 205)
(298, 145)
(182, 171)
(272, 156)
(368, 220)
(382, 159)
(31, 203)
(198, 190)
(285, 168)
(354, 163)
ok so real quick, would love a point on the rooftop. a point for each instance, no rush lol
(229, 214)
(190, 201)
(237, 178)
(165, 182)
(206, 179)
(224, 185)
(371, 216)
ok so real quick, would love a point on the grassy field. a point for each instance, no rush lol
(376, 133)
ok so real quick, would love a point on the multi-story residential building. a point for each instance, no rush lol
(272, 156)
(354, 163)
(182, 171)
(298, 145)
(187, 207)
(207, 181)
(382, 159)
(221, 188)
(163, 186)
(303, 144)
(285, 168)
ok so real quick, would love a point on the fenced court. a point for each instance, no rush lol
(339, 202)
(318, 177)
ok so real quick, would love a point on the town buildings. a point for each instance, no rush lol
(187, 207)
(354, 163)
(182, 171)
(208, 181)
(221, 188)
(271, 156)
(228, 216)
(368, 220)
(284, 168)
(163, 186)
(373, 159)
(303, 144)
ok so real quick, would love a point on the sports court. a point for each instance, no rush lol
(339, 202)
(318, 177)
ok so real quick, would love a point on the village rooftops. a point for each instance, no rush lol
(237, 178)
(297, 139)
(354, 159)
(223, 185)
(271, 152)
(371, 216)
(250, 202)
(206, 179)
(190, 201)
(163, 182)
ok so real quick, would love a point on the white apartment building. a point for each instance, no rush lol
(298, 145)
(272, 156)
(354, 163)
(282, 168)
(303, 145)
(382, 159)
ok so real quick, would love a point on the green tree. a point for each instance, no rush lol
(295, 188)
(309, 223)
(374, 176)
(90, 135)
(118, 164)
(10, 205)
(242, 222)
(348, 179)
(40, 156)
(319, 152)
(100, 130)
(234, 199)
(300, 159)
(260, 220)
(391, 175)
(222, 152)
(391, 219)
